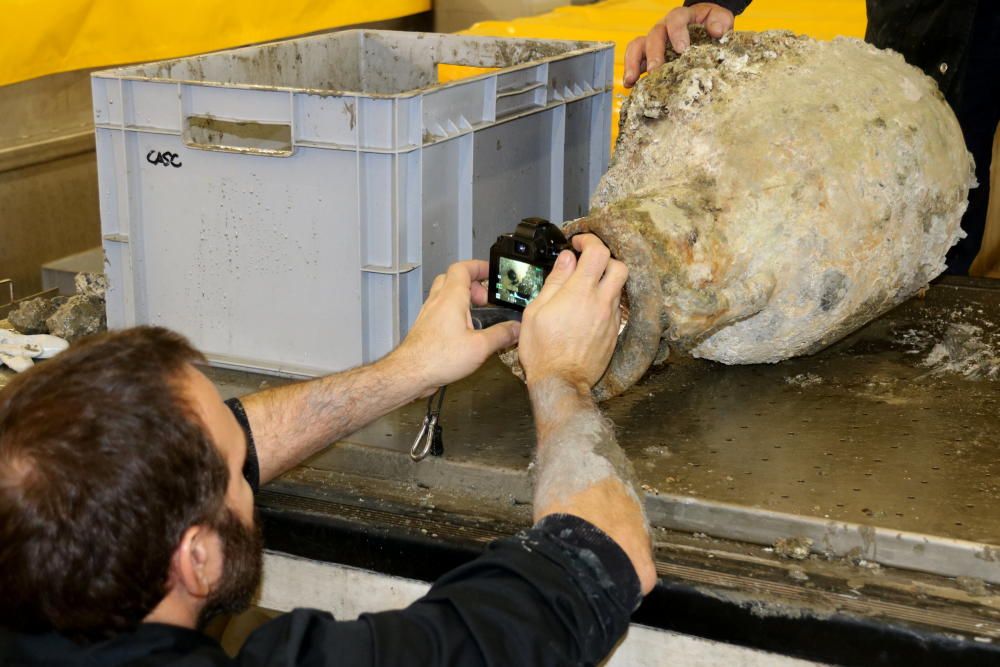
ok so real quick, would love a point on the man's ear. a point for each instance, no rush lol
(196, 566)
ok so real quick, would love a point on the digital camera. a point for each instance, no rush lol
(520, 262)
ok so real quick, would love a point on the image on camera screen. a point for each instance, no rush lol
(518, 282)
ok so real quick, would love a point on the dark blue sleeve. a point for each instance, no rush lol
(735, 6)
(558, 594)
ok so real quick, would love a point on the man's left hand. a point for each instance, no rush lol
(442, 345)
(644, 54)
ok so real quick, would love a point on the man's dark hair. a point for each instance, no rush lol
(103, 466)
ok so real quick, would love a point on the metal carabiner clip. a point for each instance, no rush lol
(424, 442)
(425, 439)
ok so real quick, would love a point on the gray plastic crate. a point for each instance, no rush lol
(286, 206)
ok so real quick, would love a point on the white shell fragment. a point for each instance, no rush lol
(16, 362)
(47, 345)
(17, 350)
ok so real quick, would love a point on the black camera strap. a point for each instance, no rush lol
(483, 317)
(430, 439)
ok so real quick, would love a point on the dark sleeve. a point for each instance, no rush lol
(735, 6)
(308, 638)
(251, 467)
(559, 594)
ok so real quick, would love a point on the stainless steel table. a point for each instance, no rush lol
(881, 454)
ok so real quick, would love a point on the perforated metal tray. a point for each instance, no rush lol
(878, 448)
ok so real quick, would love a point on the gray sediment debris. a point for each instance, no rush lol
(967, 350)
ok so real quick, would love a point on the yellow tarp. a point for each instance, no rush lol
(620, 21)
(40, 37)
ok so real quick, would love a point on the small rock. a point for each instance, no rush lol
(30, 316)
(79, 317)
(510, 358)
(796, 548)
(869, 565)
(798, 574)
(93, 285)
(6, 324)
(973, 586)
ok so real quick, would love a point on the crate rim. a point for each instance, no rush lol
(583, 47)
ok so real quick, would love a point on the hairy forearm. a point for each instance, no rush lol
(576, 445)
(581, 470)
(292, 422)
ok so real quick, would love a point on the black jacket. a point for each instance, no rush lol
(559, 594)
(933, 35)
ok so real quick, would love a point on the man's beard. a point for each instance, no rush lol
(242, 547)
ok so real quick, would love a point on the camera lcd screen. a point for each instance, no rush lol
(518, 282)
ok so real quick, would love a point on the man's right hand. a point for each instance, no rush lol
(569, 331)
(644, 54)
(568, 335)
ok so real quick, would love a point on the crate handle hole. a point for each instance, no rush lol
(209, 133)
(448, 72)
